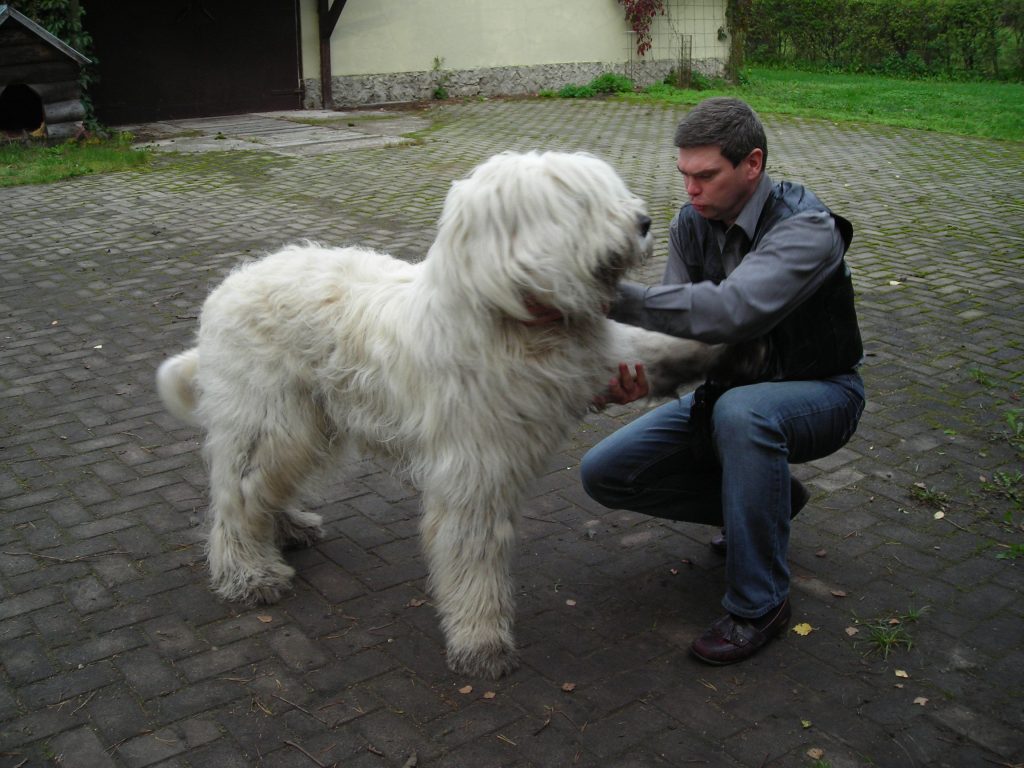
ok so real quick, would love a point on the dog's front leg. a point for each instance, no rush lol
(671, 362)
(469, 550)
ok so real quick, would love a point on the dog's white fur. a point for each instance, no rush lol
(311, 349)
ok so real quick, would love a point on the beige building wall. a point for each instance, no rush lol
(389, 50)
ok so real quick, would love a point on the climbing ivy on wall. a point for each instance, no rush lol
(640, 14)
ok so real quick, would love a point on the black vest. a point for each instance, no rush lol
(819, 338)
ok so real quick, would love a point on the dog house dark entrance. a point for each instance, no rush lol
(39, 90)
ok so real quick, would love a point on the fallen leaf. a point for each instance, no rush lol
(902, 673)
(803, 629)
(815, 754)
(921, 701)
(674, 571)
(851, 631)
(98, 346)
(895, 282)
(921, 485)
(489, 694)
(415, 603)
(838, 593)
(570, 602)
(820, 553)
(939, 515)
(265, 619)
(568, 687)
(893, 622)
(466, 689)
(806, 723)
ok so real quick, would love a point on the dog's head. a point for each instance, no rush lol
(559, 228)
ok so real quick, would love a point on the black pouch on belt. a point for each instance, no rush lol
(704, 399)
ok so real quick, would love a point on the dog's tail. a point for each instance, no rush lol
(176, 384)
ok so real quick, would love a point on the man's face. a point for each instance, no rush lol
(717, 190)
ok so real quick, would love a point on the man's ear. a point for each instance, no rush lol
(754, 163)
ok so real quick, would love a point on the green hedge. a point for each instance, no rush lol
(976, 38)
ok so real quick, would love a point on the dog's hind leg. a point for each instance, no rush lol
(469, 550)
(254, 477)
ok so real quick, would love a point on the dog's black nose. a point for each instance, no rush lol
(645, 225)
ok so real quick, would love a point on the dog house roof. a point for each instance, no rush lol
(8, 13)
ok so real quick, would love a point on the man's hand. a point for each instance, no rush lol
(626, 388)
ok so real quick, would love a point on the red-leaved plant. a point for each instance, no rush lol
(639, 14)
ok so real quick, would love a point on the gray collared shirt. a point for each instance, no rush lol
(761, 285)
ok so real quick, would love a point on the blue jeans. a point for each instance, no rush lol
(651, 466)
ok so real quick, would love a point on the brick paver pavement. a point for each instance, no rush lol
(115, 653)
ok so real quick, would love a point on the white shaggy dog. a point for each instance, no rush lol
(435, 364)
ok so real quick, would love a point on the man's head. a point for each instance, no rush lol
(722, 150)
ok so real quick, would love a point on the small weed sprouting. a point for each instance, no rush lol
(1009, 486)
(982, 378)
(1015, 435)
(889, 634)
(929, 496)
(1012, 552)
(441, 78)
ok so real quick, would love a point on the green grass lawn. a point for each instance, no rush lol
(34, 164)
(985, 109)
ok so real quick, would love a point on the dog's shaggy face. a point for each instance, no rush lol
(560, 228)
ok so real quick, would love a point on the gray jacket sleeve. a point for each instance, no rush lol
(786, 267)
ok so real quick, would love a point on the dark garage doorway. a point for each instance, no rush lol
(193, 58)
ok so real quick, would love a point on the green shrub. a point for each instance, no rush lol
(913, 38)
(577, 92)
(609, 82)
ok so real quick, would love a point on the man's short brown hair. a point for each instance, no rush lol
(729, 124)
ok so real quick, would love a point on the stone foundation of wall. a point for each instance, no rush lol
(361, 90)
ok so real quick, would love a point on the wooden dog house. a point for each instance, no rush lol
(39, 90)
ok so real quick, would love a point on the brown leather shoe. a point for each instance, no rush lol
(798, 497)
(732, 639)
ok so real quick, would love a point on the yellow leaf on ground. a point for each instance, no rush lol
(851, 631)
(815, 754)
(265, 619)
(466, 689)
(803, 629)
(568, 687)
(902, 673)
(806, 723)
(921, 701)
(490, 695)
